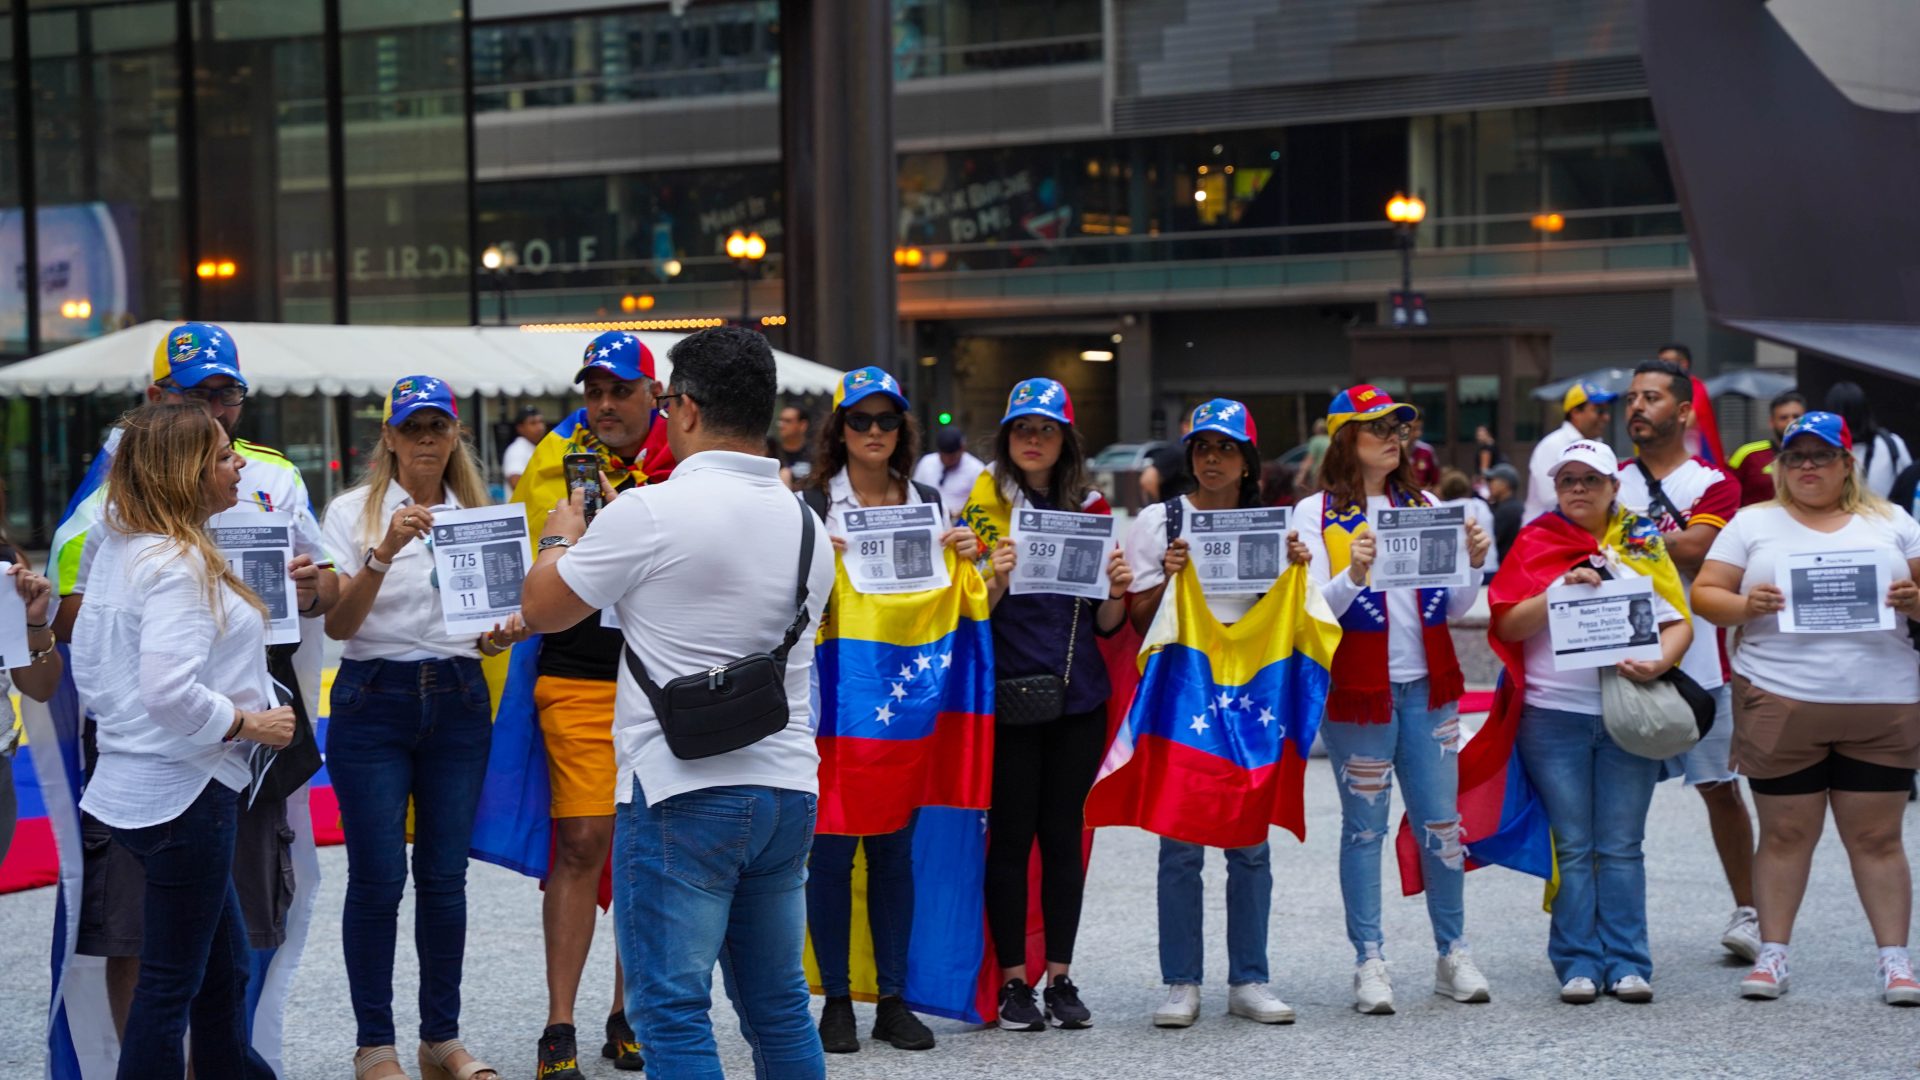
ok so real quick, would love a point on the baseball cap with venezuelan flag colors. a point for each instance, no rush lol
(416, 392)
(1825, 426)
(1583, 392)
(1365, 402)
(619, 354)
(861, 383)
(1039, 397)
(1226, 417)
(194, 352)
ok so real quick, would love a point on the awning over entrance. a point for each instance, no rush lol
(1890, 349)
(294, 359)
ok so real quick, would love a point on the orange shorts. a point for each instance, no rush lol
(576, 722)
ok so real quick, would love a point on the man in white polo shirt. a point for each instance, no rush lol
(1691, 501)
(1585, 407)
(709, 853)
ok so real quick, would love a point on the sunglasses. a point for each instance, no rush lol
(1800, 459)
(228, 396)
(864, 422)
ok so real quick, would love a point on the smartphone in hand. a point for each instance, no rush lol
(583, 474)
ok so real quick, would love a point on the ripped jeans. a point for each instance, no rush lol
(1422, 746)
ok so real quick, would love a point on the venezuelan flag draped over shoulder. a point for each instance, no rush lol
(1501, 819)
(1214, 749)
(513, 826)
(906, 702)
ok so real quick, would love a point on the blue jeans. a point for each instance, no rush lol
(1422, 745)
(1249, 899)
(1596, 796)
(716, 874)
(889, 907)
(194, 969)
(401, 730)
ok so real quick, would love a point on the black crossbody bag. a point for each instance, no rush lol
(735, 705)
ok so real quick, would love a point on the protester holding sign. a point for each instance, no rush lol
(1223, 456)
(1396, 684)
(1596, 793)
(170, 656)
(1051, 700)
(1805, 582)
(865, 459)
(411, 721)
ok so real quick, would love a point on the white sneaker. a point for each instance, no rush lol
(1255, 1002)
(1181, 1008)
(1742, 936)
(1455, 975)
(1579, 990)
(1372, 993)
(1633, 990)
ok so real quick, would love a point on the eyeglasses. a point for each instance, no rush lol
(1801, 459)
(1583, 482)
(415, 427)
(228, 396)
(864, 422)
(1383, 427)
(660, 400)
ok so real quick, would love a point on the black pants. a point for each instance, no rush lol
(1041, 775)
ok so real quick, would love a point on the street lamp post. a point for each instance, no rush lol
(497, 263)
(1407, 212)
(746, 250)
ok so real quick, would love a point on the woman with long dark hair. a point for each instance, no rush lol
(1043, 770)
(1883, 454)
(1393, 705)
(865, 457)
(1223, 457)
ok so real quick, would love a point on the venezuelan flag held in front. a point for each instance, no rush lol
(1214, 749)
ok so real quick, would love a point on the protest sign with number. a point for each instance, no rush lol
(1238, 551)
(894, 549)
(480, 556)
(1420, 547)
(259, 547)
(1061, 552)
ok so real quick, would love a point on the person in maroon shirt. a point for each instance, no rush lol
(1426, 464)
(1752, 464)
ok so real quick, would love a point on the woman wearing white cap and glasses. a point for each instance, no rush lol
(1805, 739)
(1596, 793)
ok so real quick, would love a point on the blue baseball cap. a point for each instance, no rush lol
(1582, 393)
(1039, 397)
(1825, 426)
(863, 383)
(619, 354)
(194, 352)
(416, 392)
(1226, 417)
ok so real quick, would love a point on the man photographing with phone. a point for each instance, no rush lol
(620, 436)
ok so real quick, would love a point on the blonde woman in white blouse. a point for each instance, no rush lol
(170, 657)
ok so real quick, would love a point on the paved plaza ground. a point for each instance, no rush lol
(1831, 1025)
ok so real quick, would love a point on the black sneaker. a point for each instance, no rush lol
(894, 1023)
(1063, 1004)
(623, 1047)
(837, 1033)
(1018, 1010)
(559, 1057)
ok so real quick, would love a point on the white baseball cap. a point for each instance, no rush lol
(1595, 455)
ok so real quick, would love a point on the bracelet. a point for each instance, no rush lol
(310, 607)
(239, 721)
(35, 627)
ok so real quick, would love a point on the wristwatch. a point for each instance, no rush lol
(547, 542)
(375, 564)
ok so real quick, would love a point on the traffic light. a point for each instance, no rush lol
(946, 418)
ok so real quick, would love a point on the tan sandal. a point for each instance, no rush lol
(433, 1063)
(367, 1058)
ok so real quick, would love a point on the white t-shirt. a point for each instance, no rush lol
(1706, 495)
(405, 622)
(1480, 514)
(1879, 461)
(514, 461)
(1578, 691)
(1540, 494)
(1146, 546)
(1406, 650)
(701, 570)
(1869, 667)
(954, 486)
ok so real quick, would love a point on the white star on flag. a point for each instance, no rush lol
(924, 661)
(946, 660)
(1224, 701)
(603, 352)
(906, 671)
(1246, 702)
(899, 691)
(1266, 717)
(884, 714)
(1199, 724)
